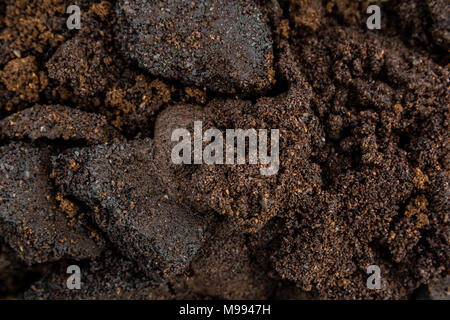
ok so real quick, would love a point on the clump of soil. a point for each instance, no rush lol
(30, 222)
(131, 207)
(23, 77)
(223, 45)
(57, 122)
(84, 65)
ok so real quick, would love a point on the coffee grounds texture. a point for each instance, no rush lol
(86, 176)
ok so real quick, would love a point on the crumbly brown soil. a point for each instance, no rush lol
(86, 118)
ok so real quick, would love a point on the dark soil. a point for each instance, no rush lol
(86, 178)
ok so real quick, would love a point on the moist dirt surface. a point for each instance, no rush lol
(86, 176)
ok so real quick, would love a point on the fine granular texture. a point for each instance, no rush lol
(84, 65)
(15, 275)
(30, 219)
(240, 191)
(133, 103)
(87, 175)
(131, 207)
(57, 122)
(22, 77)
(100, 282)
(224, 268)
(223, 45)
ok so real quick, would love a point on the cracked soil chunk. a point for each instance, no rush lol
(29, 218)
(119, 183)
(223, 45)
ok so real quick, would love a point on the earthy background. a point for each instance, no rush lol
(85, 174)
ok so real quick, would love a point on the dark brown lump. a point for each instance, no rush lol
(57, 122)
(84, 65)
(240, 191)
(134, 101)
(225, 46)
(177, 178)
(130, 206)
(30, 219)
(109, 277)
(225, 268)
